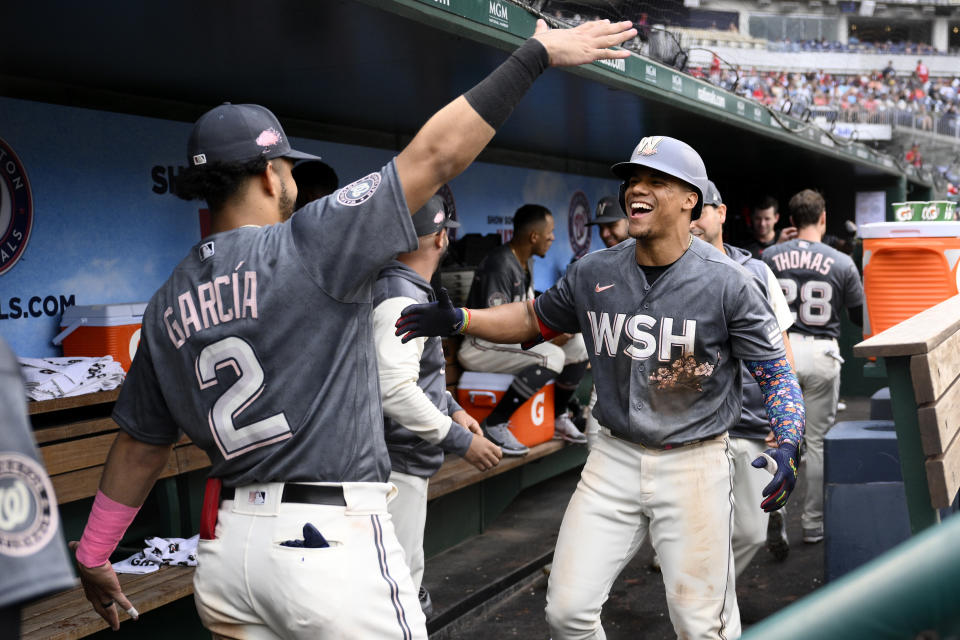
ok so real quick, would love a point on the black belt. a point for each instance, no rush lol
(665, 447)
(302, 494)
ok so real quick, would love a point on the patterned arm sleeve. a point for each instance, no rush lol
(781, 397)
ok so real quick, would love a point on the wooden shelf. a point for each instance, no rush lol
(73, 402)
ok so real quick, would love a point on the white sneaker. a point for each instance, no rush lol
(501, 436)
(564, 429)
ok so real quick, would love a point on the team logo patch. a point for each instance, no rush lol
(360, 191)
(648, 146)
(496, 299)
(28, 511)
(206, 251)
(577, 218)
(16, 208)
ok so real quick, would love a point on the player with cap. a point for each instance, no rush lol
(506, 275)
(421, 419)
(260, 348)
(611, 220)
(752, 526)
(667, 320)
(33, 555)
(817, 281)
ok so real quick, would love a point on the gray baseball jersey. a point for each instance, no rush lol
(33, 554)
(500, 279)
(260, 344)
(817, 281)
(665, 356)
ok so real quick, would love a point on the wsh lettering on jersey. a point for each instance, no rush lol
(224, 299)
(607, 331)
(667, 344)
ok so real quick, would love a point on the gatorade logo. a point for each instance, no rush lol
(903, 214)
(537, 410)
(929, 212)
(134, 343)
(28, 513)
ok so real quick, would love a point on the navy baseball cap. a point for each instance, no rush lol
(237, 133)
(432, 217)
(712, 196)
(608, 210)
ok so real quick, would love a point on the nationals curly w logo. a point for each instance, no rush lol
(16, 208)
(28, 510)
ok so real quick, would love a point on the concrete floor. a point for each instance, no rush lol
(494, 585)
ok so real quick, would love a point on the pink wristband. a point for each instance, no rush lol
(105, 527)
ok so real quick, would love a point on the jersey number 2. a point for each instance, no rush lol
(231, 439)
(815, 296)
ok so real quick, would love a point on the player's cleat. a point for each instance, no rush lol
(426, 603)
(814, 535)
(655, 562)
(501, 436)
(564, 429)
(777, 543)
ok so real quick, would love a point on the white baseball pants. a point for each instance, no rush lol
(818, 370)
(409, 513)
(683, 498)
(479, 355)
(749, 520)
(249, 586)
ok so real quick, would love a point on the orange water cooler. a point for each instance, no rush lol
(102, 330)
(532, 422)
(907, 267)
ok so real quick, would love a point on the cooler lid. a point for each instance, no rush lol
(104, 315)
(485, 381)
(910, 230)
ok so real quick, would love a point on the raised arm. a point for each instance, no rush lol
(455, 135)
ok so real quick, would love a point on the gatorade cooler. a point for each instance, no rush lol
(532, 422)
(101, 330)
(907, 267)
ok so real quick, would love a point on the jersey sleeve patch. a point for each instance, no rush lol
(359, 191)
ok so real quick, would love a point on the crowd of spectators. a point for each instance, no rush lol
(880, 96)
(854, 45)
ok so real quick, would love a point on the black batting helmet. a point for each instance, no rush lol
(670, 156)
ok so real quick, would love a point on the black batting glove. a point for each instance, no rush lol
(438, 318)
(783, 463)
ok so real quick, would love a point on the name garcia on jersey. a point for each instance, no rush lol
(223, 299)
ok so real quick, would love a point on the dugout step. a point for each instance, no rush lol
(486, 568)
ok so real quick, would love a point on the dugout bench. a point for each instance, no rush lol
(74, 436)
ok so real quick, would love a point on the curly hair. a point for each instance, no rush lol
(217, 182)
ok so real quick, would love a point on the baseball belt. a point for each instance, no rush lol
(666, 447)
(302, 494)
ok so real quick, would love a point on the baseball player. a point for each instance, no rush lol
(506, 275)
(611, 220)
(751, 526)
(260, 348)
(817, 281)
(421, 418)
(666, 319)
(33, 554)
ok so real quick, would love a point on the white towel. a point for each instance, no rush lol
(180, 552)
(49, 378)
